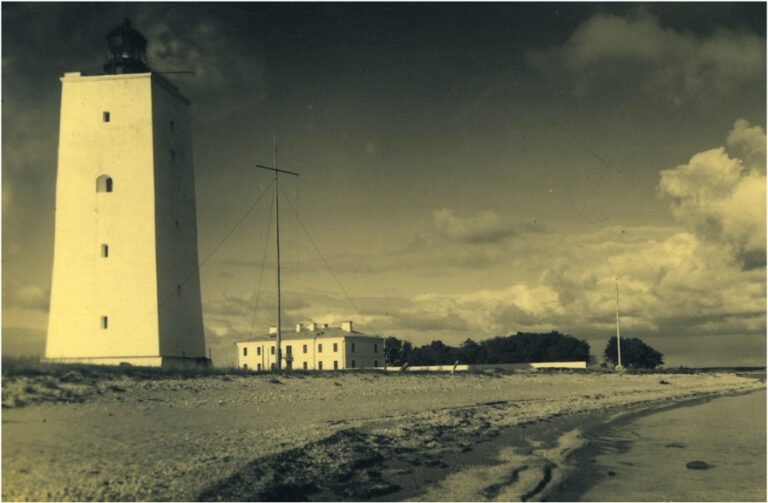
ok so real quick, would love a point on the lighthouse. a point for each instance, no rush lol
(125, 286)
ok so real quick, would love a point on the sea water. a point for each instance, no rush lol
(645, 460)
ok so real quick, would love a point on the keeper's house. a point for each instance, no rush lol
(313, 346)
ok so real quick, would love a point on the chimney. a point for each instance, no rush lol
(346, 326)
(272, 330)
(299, 327)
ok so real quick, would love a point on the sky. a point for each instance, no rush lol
(466, 170)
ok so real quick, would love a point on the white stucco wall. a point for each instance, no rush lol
(124, 285)
(260, 353)
(180, 312)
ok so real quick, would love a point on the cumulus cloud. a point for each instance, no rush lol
(675, 285)
(721, 198)
(638, 51)
(748, 142)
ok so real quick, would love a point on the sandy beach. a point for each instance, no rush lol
(334, 436)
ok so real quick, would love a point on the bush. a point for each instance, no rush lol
(635, 354)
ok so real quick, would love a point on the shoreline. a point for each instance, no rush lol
(554, 453)
(544, 458)
(583, 471)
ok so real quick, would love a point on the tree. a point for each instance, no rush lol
(434, 353)
(397, 352)
(530, 347)
(519, 348)
(471, 352)
(392, 350)
(634, 354)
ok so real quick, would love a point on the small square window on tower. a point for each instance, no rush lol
(104, 322)
(105, 116)
(105, 250)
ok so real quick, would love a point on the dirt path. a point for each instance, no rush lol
(186, 439)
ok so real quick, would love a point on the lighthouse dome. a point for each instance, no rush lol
(126, 50)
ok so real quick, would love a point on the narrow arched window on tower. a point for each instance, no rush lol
(104, 184)
(105, 250)
(104, 322)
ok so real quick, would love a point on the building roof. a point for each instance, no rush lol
(320, 333)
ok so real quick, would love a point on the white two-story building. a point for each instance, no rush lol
(313, 346)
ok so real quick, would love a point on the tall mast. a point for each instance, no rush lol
(277, 253)
(278, 349)
(618, 325)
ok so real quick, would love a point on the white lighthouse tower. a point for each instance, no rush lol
(125, 285)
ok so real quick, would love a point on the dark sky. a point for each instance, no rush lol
(467, 170)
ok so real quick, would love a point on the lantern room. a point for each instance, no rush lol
(127, 50)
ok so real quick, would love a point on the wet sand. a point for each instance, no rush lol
(336, 436)
(642, 457)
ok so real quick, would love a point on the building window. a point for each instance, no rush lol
(335, 365)
(319, 348)
(171, 126)
(105, 116)
(304, 349)
(335, 347)
(272, 366)
(258, 351)
(258, 367)
(104, 322)
(375, 348)
(105, 250)
(305, 365)
(288, 350)
(353, 349)
(104, 184)
(375, 363)
(245, 351)
(353, 363)
(319, 365)
(245, 366)
(273, 349)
